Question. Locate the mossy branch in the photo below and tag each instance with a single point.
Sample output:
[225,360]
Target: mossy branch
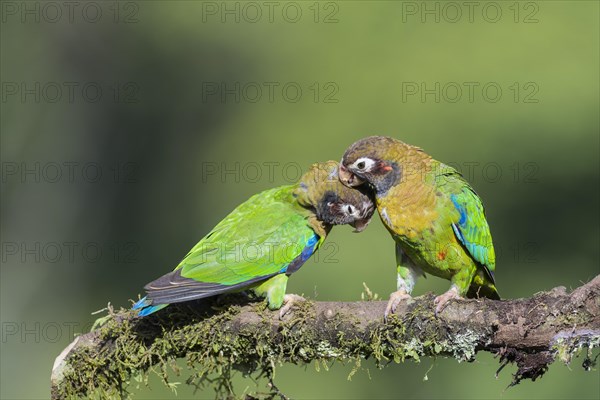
[218,339]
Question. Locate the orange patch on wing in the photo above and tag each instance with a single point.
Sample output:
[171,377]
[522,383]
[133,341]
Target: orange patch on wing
[441,255]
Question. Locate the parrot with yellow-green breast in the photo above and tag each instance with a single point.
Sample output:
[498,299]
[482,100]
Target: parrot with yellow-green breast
[435,217]
[262,242]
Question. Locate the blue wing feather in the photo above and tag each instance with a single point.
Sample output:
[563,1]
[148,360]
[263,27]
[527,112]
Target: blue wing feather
[307,252]
[472,229]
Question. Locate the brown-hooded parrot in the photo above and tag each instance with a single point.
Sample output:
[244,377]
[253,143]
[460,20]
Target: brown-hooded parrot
[435,217]
[263,241]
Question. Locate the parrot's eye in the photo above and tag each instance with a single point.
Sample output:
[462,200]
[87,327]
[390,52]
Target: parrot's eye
[350,210]
[364,164]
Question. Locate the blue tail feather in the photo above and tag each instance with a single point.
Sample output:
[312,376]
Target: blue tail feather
[146,308]
[143,302]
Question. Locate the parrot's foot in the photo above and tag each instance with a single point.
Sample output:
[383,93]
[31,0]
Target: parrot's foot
[395,299]
[442,300]
[288,302]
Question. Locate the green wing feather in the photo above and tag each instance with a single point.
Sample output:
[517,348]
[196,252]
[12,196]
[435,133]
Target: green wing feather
[470,225]
[257,240]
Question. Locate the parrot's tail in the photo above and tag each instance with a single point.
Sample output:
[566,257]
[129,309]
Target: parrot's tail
[488,291]
[146,308]
[483,285]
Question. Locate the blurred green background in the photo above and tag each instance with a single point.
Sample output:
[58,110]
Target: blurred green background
[129,129]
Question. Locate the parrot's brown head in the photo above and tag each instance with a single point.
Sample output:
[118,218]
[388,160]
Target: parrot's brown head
[378,161]
[333,203]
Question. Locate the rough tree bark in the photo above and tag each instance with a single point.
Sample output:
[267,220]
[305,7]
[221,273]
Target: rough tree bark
[216,339]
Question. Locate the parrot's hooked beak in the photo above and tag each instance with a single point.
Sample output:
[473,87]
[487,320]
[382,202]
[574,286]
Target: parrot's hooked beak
[360,224]
[348,178]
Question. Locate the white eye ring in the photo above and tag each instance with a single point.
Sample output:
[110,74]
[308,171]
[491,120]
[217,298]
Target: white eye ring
[350,210]
[363,164]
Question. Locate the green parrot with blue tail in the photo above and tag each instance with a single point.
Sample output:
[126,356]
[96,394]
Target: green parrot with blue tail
[435,217]
[262,242]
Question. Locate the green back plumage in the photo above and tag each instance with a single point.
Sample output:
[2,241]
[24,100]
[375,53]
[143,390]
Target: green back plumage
[257,239]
